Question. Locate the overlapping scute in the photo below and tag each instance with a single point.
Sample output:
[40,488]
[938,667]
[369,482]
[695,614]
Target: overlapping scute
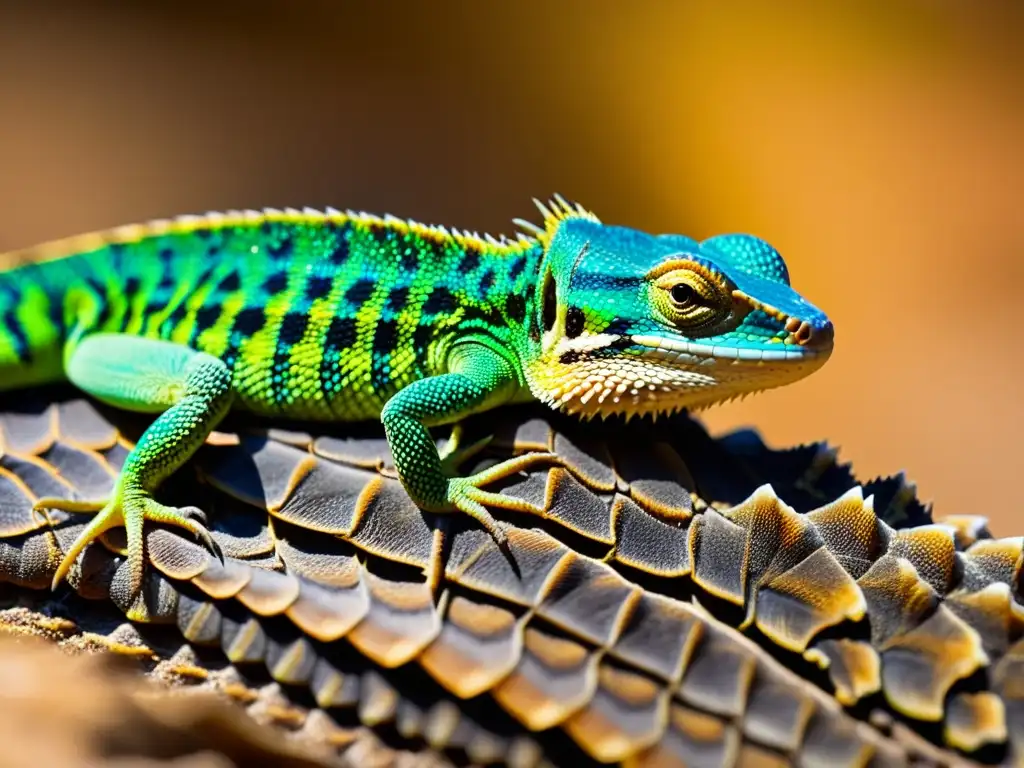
[611,635]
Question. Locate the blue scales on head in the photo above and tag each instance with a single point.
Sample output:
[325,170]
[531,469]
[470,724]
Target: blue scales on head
[636,323]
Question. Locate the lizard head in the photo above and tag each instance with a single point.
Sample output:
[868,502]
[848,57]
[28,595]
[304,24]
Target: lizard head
[635,323]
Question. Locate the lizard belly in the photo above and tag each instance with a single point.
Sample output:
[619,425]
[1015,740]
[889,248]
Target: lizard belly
[345,391]
[267,390]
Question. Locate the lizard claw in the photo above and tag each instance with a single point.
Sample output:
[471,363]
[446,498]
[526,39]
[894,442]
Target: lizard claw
[129,509]
[198,516]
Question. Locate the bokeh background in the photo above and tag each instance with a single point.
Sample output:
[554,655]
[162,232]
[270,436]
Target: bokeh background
[879,145]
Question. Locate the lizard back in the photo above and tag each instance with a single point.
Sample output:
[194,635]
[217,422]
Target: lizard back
[318,315]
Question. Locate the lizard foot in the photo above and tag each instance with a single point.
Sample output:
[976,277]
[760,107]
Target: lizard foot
[129,507]
[466,495]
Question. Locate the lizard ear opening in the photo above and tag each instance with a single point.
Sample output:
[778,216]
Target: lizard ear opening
[549,301]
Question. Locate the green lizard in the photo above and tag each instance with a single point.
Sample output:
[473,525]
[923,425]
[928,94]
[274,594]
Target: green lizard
[347,316]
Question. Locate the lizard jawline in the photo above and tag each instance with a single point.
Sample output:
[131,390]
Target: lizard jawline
[657,381]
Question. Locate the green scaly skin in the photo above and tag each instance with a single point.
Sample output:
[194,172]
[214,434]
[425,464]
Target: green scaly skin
[346,316]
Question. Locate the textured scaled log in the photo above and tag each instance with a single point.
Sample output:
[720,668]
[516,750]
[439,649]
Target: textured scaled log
[668,608]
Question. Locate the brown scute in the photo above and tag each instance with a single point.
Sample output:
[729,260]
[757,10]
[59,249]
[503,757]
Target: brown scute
[682,600]
[853,666]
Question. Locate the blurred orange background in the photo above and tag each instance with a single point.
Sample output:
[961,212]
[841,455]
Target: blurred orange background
[878,145]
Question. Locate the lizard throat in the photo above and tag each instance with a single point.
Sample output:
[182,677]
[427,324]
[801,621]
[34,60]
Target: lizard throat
[637,375]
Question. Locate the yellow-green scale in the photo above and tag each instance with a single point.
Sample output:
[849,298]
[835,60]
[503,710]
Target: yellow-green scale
[317,317]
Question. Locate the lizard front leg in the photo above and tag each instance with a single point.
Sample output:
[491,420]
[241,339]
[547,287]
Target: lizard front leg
[190,390]
[479,378]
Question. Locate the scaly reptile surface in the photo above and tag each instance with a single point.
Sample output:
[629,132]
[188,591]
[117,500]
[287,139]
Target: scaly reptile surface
[664,608]
[348,317]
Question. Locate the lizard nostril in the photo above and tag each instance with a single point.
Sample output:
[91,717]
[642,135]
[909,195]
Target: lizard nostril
[819,338]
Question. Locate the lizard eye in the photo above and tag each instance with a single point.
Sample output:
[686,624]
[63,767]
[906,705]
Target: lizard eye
[682,294]
[689,299]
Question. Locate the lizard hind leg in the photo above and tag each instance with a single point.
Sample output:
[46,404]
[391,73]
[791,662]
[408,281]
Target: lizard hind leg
[189,389]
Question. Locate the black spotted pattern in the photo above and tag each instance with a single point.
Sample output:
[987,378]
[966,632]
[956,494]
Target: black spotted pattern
[206,316]
[408,260]
[99,292]
[275,283]
[423,335]
[339,254]
[17,335]
[516,268]
[515,308]
[470,261]
[206,276]
[293,326]
[230,283]
[168,279]
[341,334]
[283,247]
[174,319]
[484,314]
[574,321]
[156,304]
[384,337]
[318,287]
[116,254]
[441,301]
[397,299]
[249,320]
[486,283]
[360,292]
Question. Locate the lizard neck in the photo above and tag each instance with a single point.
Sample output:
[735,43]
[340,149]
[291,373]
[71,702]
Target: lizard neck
[498,294]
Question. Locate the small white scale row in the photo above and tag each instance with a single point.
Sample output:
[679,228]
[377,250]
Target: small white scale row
[720,352]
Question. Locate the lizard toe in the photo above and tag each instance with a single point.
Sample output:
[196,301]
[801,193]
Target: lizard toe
[192,519]
[129,508]
[109,515]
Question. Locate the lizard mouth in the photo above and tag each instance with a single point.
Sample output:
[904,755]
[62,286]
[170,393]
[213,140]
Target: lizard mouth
[680,350]
[605,374]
